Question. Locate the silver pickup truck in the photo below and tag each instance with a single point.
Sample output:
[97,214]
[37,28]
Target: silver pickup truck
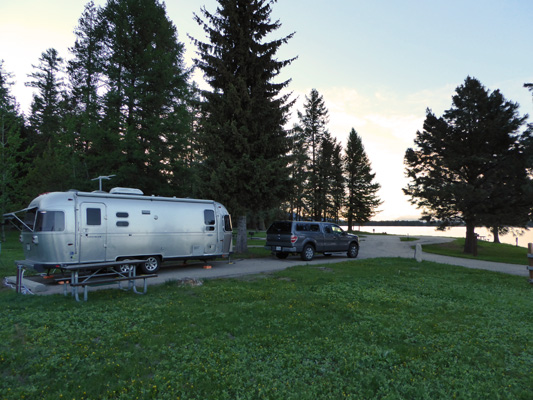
[308,238]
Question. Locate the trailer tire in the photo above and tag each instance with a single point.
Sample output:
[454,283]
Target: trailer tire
[125,268]
[151,266]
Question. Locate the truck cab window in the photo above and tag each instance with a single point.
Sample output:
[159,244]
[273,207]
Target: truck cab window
[336,229]
[94,216]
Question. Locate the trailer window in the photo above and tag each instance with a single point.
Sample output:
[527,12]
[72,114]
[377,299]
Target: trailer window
[209,217]
[29,219]
[50,221]
[227,223]
[94,216]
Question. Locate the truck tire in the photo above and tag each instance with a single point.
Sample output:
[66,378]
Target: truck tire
[353,250]
[308,252]
[151,266]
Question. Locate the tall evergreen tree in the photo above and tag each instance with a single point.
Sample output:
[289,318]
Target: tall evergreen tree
[47,127]
[299,169]
[362,199]
[46,107]
[85,71]
[468,165]
[337,183]
[314,122]
[329,182]
[242,138]
[146,103]
[13,150]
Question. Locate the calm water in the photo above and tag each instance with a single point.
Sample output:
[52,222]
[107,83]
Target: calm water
[524,236]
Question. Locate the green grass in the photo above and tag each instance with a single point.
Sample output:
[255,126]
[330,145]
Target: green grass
[487,251]
[408,239]
[382,328]
[11,251]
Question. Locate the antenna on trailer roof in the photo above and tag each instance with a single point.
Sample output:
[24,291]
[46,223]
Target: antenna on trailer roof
[100,180]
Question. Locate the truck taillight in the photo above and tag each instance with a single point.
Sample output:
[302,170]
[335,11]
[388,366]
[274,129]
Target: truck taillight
[294,238]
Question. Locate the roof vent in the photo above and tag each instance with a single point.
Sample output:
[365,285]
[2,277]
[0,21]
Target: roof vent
[131,191]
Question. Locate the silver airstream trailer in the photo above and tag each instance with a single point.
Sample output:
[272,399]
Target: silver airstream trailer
[65,228]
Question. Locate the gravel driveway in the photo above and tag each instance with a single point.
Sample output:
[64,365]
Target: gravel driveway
[371,246]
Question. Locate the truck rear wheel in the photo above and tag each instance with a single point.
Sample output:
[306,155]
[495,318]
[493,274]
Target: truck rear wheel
[308,252]
[151,265]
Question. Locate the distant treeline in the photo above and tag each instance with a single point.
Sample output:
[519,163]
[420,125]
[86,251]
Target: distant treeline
[402,223]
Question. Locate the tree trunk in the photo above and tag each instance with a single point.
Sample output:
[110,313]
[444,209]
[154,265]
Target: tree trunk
[470,242]
[242,238]
[496,234]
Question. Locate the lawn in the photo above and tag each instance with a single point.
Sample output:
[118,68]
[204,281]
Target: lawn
[382,328]
[487,251]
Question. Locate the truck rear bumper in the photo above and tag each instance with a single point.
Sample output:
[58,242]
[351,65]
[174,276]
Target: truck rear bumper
[281,249]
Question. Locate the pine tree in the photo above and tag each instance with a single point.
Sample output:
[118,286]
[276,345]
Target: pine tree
[299,170]
[146,105]
[52,152]
[46,108]
[362,199]
[337,183]
[469,164]
[242,138]
[85,73]
[329,180]
[13,151]
[313,122]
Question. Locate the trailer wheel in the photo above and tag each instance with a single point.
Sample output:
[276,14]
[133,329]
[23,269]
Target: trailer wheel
[151,265]
[125,268]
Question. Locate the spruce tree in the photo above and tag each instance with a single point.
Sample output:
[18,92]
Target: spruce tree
[469,165]
[362,199]
[242,139]
[329,182]
[52,151]
[313,122]
[85,72]
[13,151]
[46,107]
[299,170]
[146,111]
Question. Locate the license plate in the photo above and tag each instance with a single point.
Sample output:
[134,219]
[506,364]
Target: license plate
[278,248]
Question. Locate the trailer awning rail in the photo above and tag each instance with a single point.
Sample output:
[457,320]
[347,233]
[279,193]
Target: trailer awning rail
[13,216]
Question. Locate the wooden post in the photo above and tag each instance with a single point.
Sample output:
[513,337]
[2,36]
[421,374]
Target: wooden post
[20,277]
[530,261]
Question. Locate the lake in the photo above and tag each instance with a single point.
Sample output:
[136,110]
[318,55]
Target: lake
[523,236]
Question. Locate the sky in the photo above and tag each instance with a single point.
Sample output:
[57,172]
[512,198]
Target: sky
[378,64]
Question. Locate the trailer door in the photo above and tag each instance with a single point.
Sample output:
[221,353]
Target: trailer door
[93,232]
[211,231]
